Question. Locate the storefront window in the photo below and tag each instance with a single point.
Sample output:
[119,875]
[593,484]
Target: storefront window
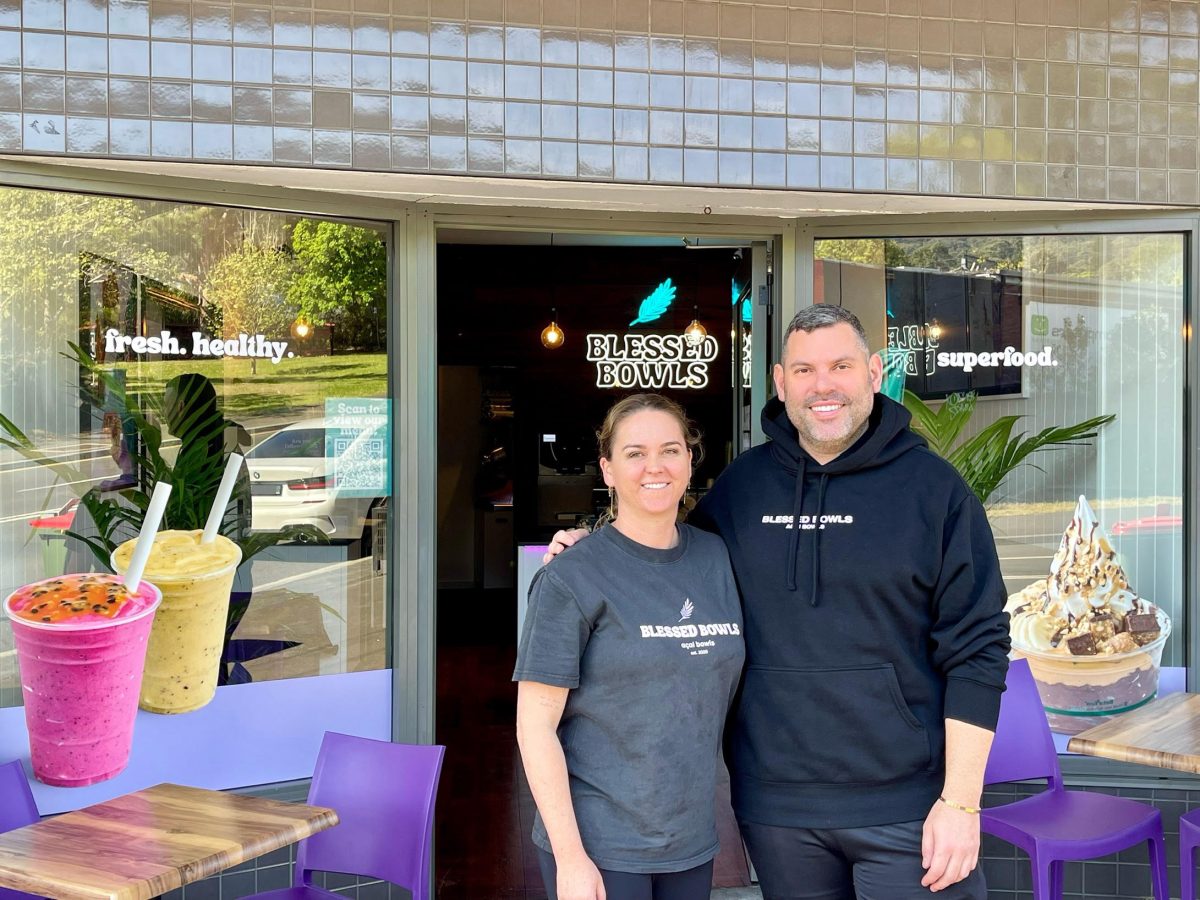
[142,341]
[1013,335]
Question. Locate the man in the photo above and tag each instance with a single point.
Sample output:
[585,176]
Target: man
[876,642]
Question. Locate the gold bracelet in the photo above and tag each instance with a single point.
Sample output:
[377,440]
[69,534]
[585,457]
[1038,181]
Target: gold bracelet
[973,810]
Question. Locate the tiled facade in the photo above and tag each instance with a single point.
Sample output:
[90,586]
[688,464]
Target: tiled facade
[1075,99]
[273,872]
[1124,875]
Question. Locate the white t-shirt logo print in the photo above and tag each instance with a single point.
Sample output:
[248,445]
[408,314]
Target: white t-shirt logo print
[685,611]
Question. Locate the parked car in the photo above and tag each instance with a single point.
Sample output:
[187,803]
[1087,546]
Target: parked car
[316,472]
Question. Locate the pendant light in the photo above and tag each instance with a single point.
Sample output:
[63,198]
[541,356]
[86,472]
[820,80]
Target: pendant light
[552,335]
[695,332]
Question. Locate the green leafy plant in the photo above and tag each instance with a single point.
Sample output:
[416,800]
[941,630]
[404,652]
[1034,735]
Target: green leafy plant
[189,404]
[194,474]
[986,459]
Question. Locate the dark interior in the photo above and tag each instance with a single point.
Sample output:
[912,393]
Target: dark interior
[517,461]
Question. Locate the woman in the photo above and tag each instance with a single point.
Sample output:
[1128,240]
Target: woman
[629,659]
[192,413]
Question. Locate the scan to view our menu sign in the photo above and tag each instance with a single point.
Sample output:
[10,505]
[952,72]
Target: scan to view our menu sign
[357,438]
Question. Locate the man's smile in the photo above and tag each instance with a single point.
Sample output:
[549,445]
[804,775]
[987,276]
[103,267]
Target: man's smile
[825,410]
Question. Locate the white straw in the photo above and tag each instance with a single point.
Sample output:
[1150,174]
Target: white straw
[145,541]
[224,492]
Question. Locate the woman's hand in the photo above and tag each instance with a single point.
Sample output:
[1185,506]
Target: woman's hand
[579,879]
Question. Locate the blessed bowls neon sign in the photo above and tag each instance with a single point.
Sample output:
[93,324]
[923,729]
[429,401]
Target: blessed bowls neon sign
[651,361]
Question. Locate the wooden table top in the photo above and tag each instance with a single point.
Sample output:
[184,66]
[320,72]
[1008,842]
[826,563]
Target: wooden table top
[1163,733]
[149,842]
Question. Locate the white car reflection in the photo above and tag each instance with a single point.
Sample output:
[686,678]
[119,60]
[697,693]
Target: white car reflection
[317,473]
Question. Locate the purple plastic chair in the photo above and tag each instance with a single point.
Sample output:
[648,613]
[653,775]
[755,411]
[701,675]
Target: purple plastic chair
[1058,825]
[384,796]
[17,810]
[1189,839]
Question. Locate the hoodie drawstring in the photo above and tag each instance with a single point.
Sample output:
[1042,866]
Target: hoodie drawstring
[794,546]
[816,548]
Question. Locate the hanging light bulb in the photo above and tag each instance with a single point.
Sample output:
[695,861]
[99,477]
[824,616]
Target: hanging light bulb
[552,335]
[695,333]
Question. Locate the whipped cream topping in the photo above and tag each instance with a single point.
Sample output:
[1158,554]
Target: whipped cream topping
[1083,607]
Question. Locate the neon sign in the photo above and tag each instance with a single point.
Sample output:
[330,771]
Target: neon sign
[651,361]
[656,304]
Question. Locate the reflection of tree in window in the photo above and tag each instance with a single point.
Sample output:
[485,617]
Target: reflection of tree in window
[341,279]
[249,285]
[115,295]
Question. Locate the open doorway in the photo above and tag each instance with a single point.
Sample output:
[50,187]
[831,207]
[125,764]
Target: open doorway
[538,335]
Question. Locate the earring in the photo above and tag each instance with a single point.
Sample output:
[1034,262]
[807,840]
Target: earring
[612,503]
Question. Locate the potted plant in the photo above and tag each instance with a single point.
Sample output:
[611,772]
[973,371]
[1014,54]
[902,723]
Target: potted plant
[986,459]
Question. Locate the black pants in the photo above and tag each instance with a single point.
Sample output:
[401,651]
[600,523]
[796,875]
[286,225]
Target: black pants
[692,884]
[882,862]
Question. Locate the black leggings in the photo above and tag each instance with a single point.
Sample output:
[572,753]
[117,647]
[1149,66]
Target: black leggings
[692,884]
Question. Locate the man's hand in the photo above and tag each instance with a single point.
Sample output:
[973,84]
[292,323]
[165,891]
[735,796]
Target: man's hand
[949,846]
[562,540]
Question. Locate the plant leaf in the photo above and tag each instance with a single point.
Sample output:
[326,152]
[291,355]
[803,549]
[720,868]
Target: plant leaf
[940,427]
[989,457]
[656,304]
[986,459]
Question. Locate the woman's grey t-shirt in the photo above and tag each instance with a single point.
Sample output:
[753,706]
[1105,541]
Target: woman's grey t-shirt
[650,643]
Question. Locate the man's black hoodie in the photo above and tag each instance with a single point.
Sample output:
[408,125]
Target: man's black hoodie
[874,610]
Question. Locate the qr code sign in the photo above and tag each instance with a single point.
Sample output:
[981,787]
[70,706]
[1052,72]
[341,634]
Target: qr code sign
[357,444]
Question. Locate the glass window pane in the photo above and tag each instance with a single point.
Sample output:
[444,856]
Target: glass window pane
[290,443]
[1025,335]
[150,340]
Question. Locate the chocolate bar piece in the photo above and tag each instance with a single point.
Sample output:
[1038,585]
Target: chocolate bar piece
[1141,623]
[1143,627]
[1057,637]
[1082,645]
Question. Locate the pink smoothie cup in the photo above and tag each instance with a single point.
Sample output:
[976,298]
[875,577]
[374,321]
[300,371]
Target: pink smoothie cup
[80,680]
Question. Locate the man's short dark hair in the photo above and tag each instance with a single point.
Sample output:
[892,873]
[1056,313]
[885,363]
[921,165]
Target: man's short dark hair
[825,315]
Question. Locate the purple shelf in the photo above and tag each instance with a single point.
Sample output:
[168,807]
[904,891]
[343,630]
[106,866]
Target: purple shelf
[250,734]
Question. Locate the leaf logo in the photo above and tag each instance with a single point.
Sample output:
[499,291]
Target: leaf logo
[656,304]
[685,611]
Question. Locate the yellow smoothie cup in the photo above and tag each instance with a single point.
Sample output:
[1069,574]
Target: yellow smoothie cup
[184,654]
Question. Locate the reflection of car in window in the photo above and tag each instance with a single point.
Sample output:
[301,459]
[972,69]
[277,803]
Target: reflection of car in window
[293,442]
[319,473]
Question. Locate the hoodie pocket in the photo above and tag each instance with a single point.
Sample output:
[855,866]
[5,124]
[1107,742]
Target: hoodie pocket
[828,726]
